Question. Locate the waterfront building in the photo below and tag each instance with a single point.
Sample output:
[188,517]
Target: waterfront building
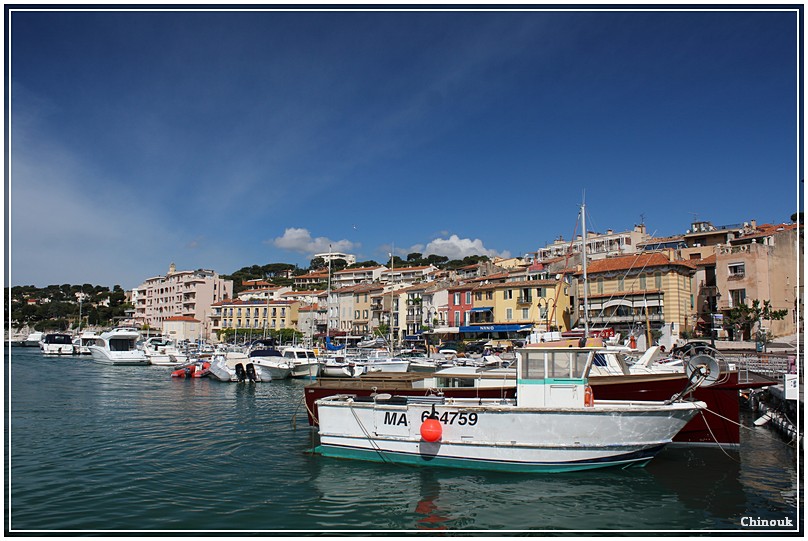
[179,293]
[254,318]
[641,292]
[181,328]
[762,265]
[522,306]
[460,304]
[312,322]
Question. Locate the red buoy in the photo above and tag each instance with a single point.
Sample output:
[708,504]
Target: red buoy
[431,430]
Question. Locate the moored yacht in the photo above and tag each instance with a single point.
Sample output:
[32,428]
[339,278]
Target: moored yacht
[118,347]
[56,344]
[162,351]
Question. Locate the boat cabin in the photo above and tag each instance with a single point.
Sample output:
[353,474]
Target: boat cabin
[58,338]
[552,377]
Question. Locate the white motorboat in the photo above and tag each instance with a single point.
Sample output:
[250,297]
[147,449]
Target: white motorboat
[222,369]
[338,366]
[263,353]
[82,343]
[382,361]
[303,361]
[162,351]
[553,425]
[118,347]
[56,344]
[33,339]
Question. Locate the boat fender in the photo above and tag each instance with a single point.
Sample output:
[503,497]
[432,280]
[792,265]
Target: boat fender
[240,375]
[589,397]
[431,429]
[251,372]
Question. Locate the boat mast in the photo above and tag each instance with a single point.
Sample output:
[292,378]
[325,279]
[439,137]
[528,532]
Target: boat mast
[392,278]
[586,284]
[328,301]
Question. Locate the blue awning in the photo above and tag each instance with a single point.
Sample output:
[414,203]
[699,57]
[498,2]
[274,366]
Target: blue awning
[496,328]
[482,309]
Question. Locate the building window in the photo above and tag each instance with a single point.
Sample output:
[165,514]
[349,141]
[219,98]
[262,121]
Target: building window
[621,284]
[525,314]
[658,280]
[468,297]
[600,285]
[489,295]
[509,314]
[643,284]
[457,319]
[457,299]
[478,296]
[736,269]
[507,294]
[737,297]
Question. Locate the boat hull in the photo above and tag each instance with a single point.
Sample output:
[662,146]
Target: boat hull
[118,358]
[490,435]
[305,369]
[717,426]
[57,350]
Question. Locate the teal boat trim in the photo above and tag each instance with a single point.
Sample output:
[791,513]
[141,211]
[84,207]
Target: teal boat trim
[636,458]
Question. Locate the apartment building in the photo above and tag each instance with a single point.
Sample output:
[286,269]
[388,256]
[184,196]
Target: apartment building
[519,306]
[253,317]
[352,277]
[179,293]
[762,265]
[629,292]
[598,245]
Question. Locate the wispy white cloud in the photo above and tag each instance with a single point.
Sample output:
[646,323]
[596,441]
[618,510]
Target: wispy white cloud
[297,239]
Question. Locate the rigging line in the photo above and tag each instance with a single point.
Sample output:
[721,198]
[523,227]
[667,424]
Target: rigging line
[751,429]
[373,444]
[710,430]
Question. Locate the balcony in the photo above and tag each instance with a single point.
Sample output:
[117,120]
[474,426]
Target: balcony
[524,299]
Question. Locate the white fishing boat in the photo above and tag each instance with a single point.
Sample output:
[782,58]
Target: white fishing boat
[56,344]
[553,425]
[303,361]
[118,347]
[162,351]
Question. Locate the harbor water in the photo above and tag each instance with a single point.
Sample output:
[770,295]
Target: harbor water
[97,448]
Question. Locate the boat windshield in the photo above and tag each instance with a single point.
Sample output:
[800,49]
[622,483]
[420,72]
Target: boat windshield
[121,344]
[553,363]
[58,339]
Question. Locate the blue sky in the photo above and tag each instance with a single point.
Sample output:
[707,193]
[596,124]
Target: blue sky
[225,139]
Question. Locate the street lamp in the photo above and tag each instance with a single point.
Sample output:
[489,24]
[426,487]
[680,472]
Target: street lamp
[547,304]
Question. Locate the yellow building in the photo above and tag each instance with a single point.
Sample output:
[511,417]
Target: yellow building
[638,291]
[540,304]
[254,316]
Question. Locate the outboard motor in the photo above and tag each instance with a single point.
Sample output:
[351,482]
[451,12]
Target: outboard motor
[251,372]
[240,374]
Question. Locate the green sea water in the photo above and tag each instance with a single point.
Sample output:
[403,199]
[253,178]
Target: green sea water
[96,448]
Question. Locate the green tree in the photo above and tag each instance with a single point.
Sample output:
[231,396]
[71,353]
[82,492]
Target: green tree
[743,317]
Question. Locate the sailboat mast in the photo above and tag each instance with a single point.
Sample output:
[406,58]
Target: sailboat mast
[586,284]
